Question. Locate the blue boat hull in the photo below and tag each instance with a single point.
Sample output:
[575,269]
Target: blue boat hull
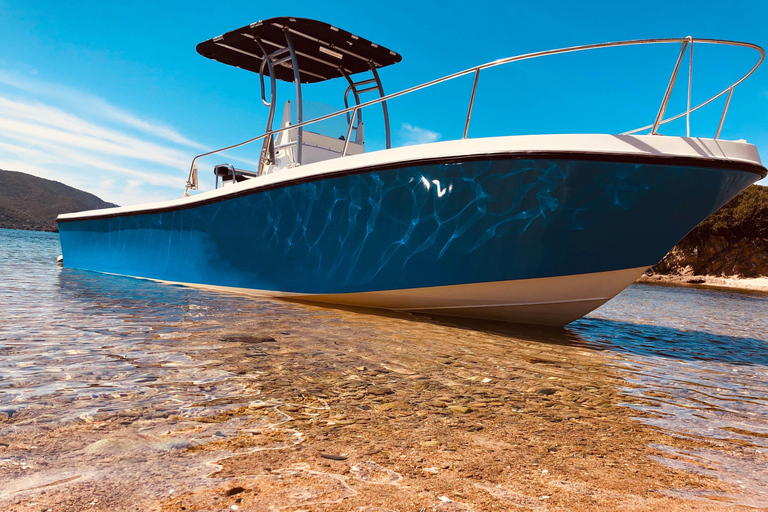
[414,226]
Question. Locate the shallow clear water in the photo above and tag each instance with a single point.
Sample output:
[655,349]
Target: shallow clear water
[75,345]
[699,357]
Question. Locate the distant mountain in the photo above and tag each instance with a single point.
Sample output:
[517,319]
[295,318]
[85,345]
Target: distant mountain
[32,203]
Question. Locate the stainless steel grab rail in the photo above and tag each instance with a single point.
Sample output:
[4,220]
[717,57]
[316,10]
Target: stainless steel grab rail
[659,121]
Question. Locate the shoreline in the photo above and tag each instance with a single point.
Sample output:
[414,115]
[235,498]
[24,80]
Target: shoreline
[747,284]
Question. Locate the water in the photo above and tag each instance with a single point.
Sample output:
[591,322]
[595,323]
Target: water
[103,378]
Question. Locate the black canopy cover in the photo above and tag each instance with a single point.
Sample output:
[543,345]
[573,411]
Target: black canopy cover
[321,49]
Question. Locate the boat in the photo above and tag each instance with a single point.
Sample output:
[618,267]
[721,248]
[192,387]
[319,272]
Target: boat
[538,229]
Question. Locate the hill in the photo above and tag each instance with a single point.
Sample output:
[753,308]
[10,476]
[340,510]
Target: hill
[731,242]
[32,203]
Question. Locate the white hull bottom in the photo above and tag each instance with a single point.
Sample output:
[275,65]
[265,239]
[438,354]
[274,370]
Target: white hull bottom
[553,301]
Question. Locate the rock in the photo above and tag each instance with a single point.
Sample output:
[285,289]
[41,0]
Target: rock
[380,391]
[134,442]
[389,406]
[248,339]
[372,472]
[546,391]
[459,409]
[333,457]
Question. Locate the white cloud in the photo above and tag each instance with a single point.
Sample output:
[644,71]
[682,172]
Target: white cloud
[153,129]
[68,134]
[55,156]
[95,106]
[84,141]
[411,135]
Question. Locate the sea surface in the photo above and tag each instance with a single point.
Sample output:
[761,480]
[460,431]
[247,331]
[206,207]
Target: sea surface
[75,345]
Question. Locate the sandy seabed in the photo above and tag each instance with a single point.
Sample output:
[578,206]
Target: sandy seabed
[336,410]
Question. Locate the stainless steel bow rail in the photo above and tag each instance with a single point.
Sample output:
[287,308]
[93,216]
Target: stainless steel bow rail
[659,120]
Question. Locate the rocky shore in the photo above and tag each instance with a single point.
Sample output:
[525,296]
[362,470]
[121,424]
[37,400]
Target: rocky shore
[729,249]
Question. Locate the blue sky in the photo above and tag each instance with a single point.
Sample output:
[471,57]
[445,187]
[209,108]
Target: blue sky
[112,98]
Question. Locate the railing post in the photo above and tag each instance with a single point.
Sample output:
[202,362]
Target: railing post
[349,132]
[471,104]
[192,181]
[671,85]
[725,110]
[690,81]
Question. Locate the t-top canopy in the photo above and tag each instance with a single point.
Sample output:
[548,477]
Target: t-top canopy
[321,49]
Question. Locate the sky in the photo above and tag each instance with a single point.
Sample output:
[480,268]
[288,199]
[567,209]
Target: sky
[112,98]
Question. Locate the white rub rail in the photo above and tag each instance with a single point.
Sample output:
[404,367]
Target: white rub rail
[659,120]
